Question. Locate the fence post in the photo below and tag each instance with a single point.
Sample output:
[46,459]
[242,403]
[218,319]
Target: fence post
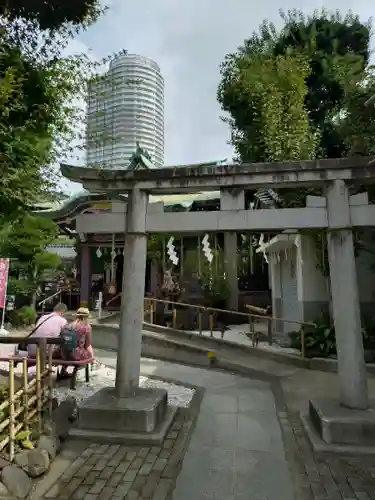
[269,331]
[303,346]
[251,329]
[38,387]
[211,319]
[174,317]
[11,410]
[25,394]
[151,312]
[200,322]
[50,379]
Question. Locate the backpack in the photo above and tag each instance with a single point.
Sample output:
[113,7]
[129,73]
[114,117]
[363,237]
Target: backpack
[70,337]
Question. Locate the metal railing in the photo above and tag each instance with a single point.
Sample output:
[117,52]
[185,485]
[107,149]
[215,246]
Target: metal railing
[150,309]
[24,407]
[112,299]
[48,299]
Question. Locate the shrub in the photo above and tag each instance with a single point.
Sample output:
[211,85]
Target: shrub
[321,340]
[25,316]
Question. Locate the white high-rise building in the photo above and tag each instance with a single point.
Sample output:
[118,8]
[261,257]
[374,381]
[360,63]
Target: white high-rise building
[125,106]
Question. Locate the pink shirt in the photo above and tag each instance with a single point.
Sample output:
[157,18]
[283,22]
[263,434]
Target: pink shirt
[51,327]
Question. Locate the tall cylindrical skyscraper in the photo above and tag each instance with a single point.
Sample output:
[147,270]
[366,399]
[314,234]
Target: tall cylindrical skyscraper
[125,106]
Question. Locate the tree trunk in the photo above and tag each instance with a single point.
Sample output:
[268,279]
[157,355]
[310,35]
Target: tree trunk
[35,293]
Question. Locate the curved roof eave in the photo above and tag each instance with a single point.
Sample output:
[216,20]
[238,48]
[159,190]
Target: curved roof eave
[74,205]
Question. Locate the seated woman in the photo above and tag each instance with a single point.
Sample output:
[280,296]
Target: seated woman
[83,333]
[82,326]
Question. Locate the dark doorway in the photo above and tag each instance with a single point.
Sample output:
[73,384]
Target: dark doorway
[119,260]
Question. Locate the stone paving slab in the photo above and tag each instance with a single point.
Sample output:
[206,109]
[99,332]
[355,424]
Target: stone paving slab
[114,472]
[328,476]
[237,451]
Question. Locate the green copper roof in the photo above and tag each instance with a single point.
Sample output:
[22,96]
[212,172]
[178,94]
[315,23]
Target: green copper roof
[140,159]
[70,208]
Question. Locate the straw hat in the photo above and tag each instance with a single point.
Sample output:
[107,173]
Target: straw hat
[83,311]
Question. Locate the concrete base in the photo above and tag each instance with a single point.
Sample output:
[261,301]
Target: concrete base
[141,418]
[154,438]
[331,427]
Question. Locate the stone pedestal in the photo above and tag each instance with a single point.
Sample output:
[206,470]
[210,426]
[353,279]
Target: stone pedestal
[143,417]
[333,428]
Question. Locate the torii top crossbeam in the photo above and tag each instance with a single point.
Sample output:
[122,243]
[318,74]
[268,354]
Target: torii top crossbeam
[207,178]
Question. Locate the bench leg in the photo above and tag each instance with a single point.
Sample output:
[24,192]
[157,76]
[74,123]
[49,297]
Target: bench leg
[87,373]
[73,381]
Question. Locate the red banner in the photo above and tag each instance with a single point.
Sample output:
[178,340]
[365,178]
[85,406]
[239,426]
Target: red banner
[4,270]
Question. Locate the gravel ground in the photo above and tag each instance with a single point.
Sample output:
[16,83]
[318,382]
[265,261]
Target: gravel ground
[103,376]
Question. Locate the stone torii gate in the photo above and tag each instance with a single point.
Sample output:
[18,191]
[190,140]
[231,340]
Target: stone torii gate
[338,216]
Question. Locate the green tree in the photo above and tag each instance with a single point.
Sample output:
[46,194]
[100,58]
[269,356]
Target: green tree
[265,98]
[51,14]
[326,42]
[25,242]
[356,124]
[24,140]
[38,117]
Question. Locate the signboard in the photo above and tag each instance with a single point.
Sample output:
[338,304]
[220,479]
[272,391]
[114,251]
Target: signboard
[4,270]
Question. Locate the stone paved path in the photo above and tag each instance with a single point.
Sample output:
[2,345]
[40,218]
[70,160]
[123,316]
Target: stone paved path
[114,472]
[314,478]
[235,449]
[237,442]
[327,477]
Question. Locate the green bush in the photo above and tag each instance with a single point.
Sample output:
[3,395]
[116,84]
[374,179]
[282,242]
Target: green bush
[25,316]
[321,341]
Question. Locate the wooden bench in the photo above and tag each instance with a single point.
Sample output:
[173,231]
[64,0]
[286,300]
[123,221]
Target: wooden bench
[84,363]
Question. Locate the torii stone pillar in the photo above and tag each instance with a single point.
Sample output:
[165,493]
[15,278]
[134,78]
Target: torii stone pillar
[127,412]
[133,288]
[231,199]
[345,299]
[345,424]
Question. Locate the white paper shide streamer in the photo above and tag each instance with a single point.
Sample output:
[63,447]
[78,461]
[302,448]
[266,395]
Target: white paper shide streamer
[262,247]
[207,249]
[171,251]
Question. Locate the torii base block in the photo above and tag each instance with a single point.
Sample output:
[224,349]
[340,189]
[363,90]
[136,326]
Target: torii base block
[332,428]
[141,418]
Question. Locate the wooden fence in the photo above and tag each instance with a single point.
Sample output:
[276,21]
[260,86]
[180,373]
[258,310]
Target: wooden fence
[26,399]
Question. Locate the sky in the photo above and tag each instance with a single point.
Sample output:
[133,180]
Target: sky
[189,39]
